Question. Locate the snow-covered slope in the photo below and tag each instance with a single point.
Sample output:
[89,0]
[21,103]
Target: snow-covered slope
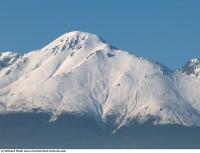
[80,73]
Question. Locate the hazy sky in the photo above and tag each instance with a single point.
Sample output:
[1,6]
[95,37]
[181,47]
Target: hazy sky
[167,31]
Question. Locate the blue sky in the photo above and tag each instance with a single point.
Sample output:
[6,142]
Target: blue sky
[167,31]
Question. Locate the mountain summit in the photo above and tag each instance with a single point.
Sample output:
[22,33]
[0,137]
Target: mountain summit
[192,68]
[81,74]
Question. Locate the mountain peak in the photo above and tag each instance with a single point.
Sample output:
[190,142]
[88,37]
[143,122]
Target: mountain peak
[80,73]
[192,68]
[75,40]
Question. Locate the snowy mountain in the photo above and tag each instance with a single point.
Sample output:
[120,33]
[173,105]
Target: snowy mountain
[192,68]
[80,73]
